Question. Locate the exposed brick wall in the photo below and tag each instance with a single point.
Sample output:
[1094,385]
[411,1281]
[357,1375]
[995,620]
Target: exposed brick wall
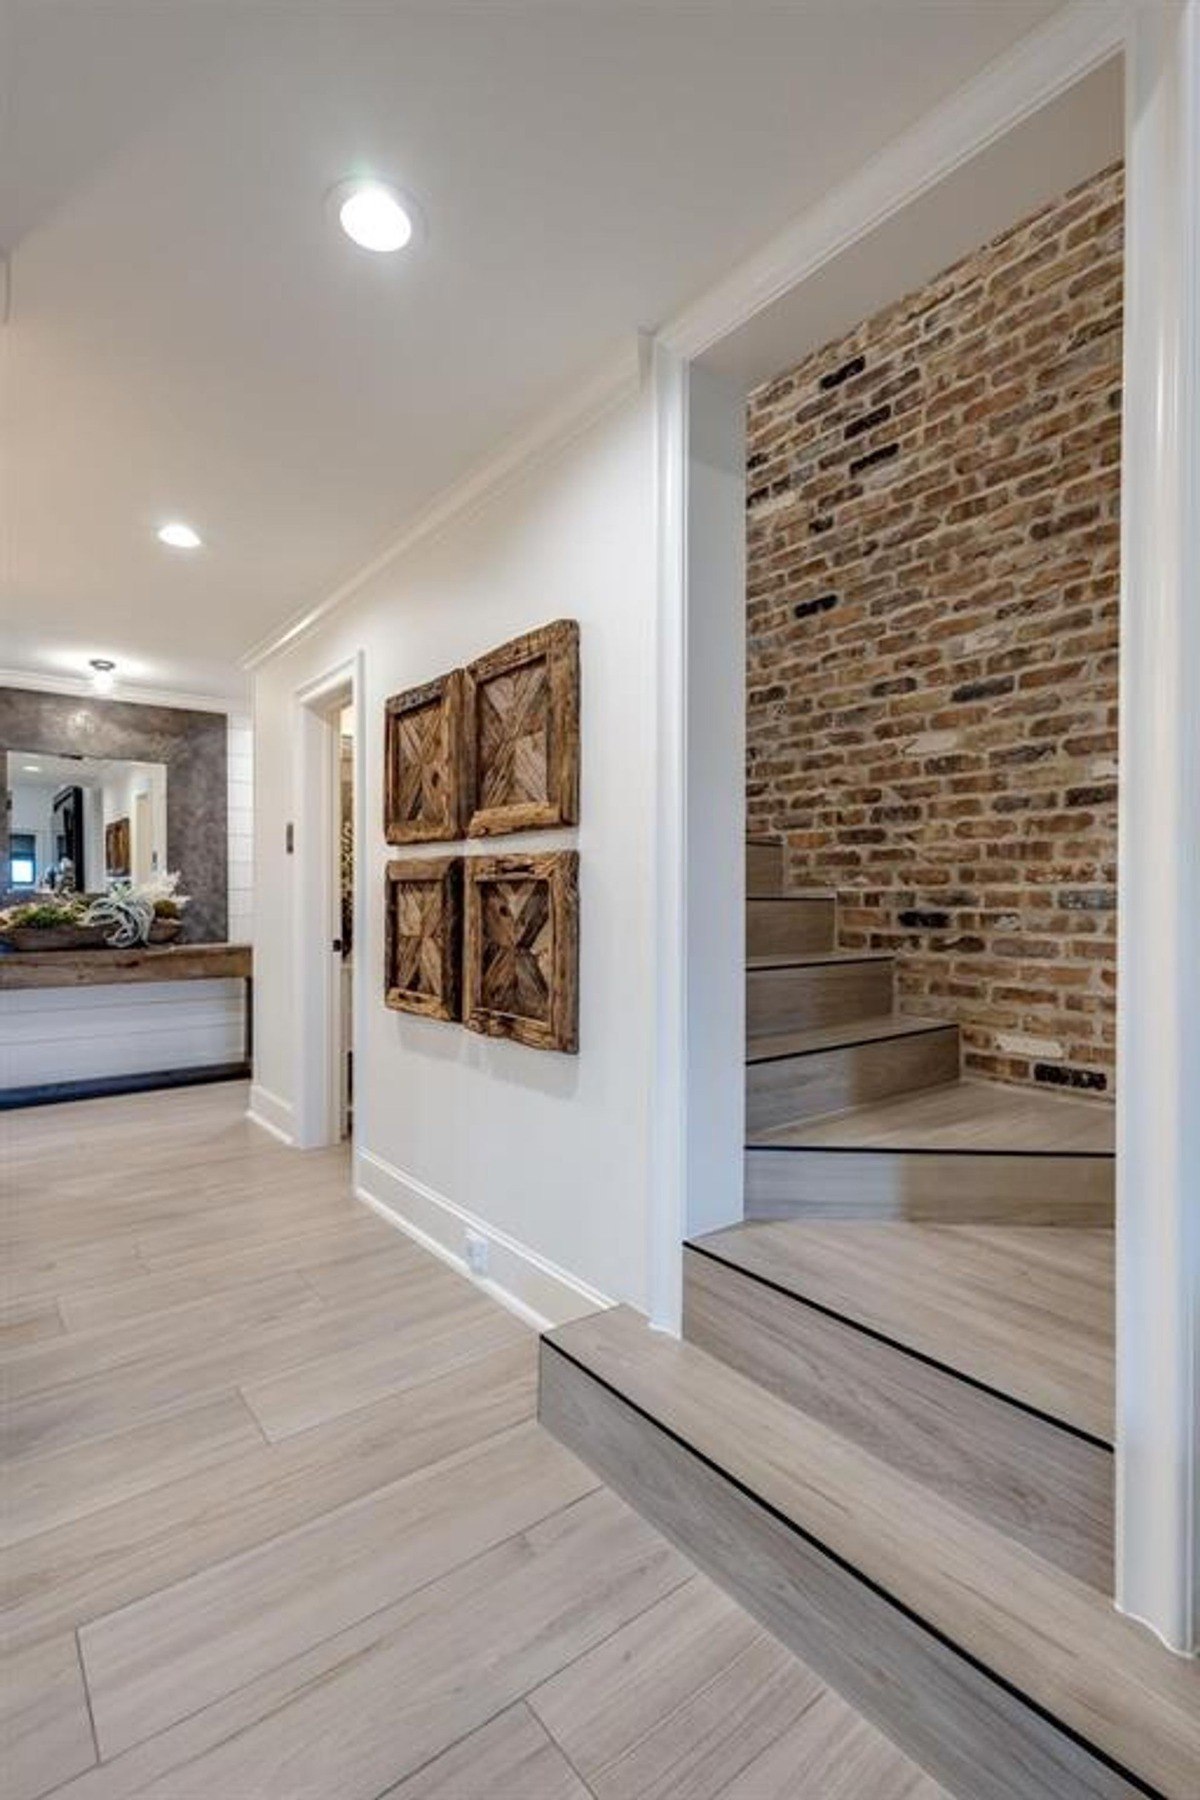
[933,566]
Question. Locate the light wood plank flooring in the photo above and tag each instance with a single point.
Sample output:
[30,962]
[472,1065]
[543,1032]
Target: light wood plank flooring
[279,1524]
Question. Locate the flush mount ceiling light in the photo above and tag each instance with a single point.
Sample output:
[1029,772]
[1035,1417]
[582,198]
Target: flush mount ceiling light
[374,215]
[179,536]
[103,674]
[31,768]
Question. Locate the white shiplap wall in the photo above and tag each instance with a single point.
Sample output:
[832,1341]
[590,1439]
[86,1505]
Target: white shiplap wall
[82,1034]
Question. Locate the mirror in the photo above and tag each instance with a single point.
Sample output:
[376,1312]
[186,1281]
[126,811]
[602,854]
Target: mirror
[82,821]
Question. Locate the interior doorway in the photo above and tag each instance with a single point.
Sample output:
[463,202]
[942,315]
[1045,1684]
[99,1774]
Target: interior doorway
[327,789]
[344,883]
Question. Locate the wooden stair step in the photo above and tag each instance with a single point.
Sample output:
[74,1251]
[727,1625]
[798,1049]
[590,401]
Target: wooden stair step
[785,923]
[1043,1484]
[1006,1677]
[798,991]
[764,866]
[775,1046]
[816,959]
[1025,1312]
[966,1152]
[830,1068]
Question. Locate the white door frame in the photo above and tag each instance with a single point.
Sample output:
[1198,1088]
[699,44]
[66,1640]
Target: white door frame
[1158,1135]
[316,967]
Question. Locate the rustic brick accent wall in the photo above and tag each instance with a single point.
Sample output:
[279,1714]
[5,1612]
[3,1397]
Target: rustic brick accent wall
[932,638]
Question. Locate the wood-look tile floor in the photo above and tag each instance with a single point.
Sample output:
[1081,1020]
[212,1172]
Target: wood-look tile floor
[279,1523]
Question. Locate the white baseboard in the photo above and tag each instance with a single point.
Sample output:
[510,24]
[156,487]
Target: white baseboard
[272,1113]
[519,1278]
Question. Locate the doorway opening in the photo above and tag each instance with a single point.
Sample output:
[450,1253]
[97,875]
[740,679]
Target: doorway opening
[327,788]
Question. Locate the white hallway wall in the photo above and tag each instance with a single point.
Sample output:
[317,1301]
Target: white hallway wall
[548,1153]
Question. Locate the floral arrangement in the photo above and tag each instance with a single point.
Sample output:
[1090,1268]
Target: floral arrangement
[125,912]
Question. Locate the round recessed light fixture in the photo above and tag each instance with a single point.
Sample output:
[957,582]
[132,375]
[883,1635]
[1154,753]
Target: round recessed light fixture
[103,674]
[179,536]
[374,215]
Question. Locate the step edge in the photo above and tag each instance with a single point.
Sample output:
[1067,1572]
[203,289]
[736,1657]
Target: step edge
[757,1148]
[842,1562]
[815,959]
[907,1028]
[698,1248]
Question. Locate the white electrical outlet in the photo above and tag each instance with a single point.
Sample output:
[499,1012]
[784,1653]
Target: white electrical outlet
[477,1252]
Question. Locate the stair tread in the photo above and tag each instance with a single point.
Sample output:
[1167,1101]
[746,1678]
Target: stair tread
[965,1116]
[1023,1310]
[779,1044]
[1048,1635]
[799,959]
[797,894]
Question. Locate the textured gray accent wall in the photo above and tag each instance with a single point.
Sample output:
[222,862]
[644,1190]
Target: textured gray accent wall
[193,747]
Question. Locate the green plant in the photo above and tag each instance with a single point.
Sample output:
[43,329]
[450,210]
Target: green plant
[44,915]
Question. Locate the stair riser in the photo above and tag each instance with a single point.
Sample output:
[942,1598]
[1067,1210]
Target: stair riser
[975,1736]
[825,1081]
[764,868]
[1029,1477]
[788,927]
[817,994]
[943,1188]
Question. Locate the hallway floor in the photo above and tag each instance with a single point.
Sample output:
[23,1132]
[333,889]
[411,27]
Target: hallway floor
[279,1522]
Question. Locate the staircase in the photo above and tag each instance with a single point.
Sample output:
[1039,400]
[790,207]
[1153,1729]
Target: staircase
[856,1110]
[887,1428]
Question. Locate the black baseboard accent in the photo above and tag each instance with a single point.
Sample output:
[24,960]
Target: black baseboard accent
[51,1093]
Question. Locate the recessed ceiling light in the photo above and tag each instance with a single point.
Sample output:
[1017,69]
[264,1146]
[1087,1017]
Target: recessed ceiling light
[179,536]
[31,768]
[374,216]
[103,674]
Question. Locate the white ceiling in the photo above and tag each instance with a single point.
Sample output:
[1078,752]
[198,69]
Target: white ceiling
[191,337]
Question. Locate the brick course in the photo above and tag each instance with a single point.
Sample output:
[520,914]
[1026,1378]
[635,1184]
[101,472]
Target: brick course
[933,543]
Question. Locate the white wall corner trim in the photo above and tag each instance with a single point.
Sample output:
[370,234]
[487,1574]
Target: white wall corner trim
[273,1114]
[1042,65]
[529,1285]
[544,438]
[1158,1017]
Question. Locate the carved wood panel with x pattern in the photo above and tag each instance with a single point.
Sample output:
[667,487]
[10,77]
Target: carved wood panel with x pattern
[522,733]
[423,937]
[520,975]
[423,763]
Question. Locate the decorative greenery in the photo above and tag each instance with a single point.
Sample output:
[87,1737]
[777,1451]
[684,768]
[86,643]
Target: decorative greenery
[45,915]
[127,913]
[131,910]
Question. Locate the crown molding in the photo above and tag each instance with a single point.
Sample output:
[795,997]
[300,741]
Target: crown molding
[127,692]
[545,437]
[1038,68]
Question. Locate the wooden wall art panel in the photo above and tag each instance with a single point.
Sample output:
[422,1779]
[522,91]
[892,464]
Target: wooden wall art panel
[118,853]
[521,745]
[423,794]
[423,937]
[521,961]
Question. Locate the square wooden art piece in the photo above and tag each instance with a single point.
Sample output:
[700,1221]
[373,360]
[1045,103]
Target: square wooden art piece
[423,937]
[521,963]
[422,767]
[522,733]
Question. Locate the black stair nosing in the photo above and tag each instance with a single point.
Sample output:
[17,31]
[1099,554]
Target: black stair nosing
[891,1037]
[917,1149]
[790,1524]
[808,897]
[882,1337]
[817,959]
